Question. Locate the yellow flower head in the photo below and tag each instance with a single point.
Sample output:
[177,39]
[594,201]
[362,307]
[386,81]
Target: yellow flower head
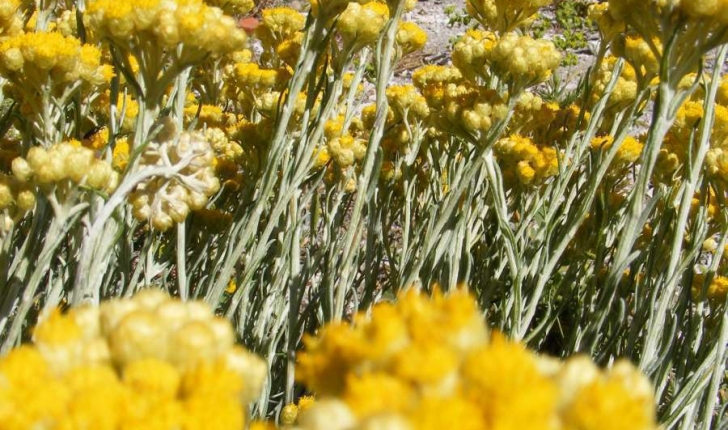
[279,24]
[503,16]
[410,37]
[471,54]
[522,60]
[30,58]
[407,102]
[68,162]
[360,25]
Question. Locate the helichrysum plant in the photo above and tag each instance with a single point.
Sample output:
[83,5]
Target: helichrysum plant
[280,176]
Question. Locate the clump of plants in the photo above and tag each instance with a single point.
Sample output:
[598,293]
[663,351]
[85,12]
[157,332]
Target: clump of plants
[156,143]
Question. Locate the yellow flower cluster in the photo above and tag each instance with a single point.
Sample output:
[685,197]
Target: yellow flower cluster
[474,109]
[278,24]
[716,291]
[410,37]
[360,25]
[62,163]
[424,364]
[222,145]
[345,147]
[534,117]
[675,148]
[722,95]
[519,60]
[32,60]
[628,152]
[407,103]
[523,60]
[246,83]
[432,80]
[16,198]
[471,53]
[520,158]
[638,52]
[11,22]
[199,28]
[120,154]
[609,27]
[706,10]
[625,89]
[407,111]
[280,34]
[167,199]
[125,104]
[503,16]
[207,115]
[289,413]
[149,362]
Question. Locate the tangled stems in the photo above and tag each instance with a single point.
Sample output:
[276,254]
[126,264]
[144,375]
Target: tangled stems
[94,250]
[66,214]
[366,186]
[279,144]
[692,184]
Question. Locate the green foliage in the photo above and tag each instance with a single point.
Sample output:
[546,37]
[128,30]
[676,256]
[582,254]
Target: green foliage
[570,26]
[457,17]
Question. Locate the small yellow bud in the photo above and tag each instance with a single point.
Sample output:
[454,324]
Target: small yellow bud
[21,169]
[289,414]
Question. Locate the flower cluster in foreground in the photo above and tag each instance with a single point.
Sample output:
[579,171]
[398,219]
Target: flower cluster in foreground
[149,362]
[430,363]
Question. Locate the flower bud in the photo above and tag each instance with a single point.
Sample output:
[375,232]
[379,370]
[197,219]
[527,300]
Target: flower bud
[21,169]
[138,335]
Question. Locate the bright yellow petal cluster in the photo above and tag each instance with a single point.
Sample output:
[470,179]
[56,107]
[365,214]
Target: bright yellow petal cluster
[675,147]
[346,150]
[428,364]
[385,340]
[11,22]
[716,291]
[245,83]
[407,102]
[609,27]
[618,398]
[29,59]
[533,115]
[149,362]
[432,80]
[410,37]
[629,150]
[520,158]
